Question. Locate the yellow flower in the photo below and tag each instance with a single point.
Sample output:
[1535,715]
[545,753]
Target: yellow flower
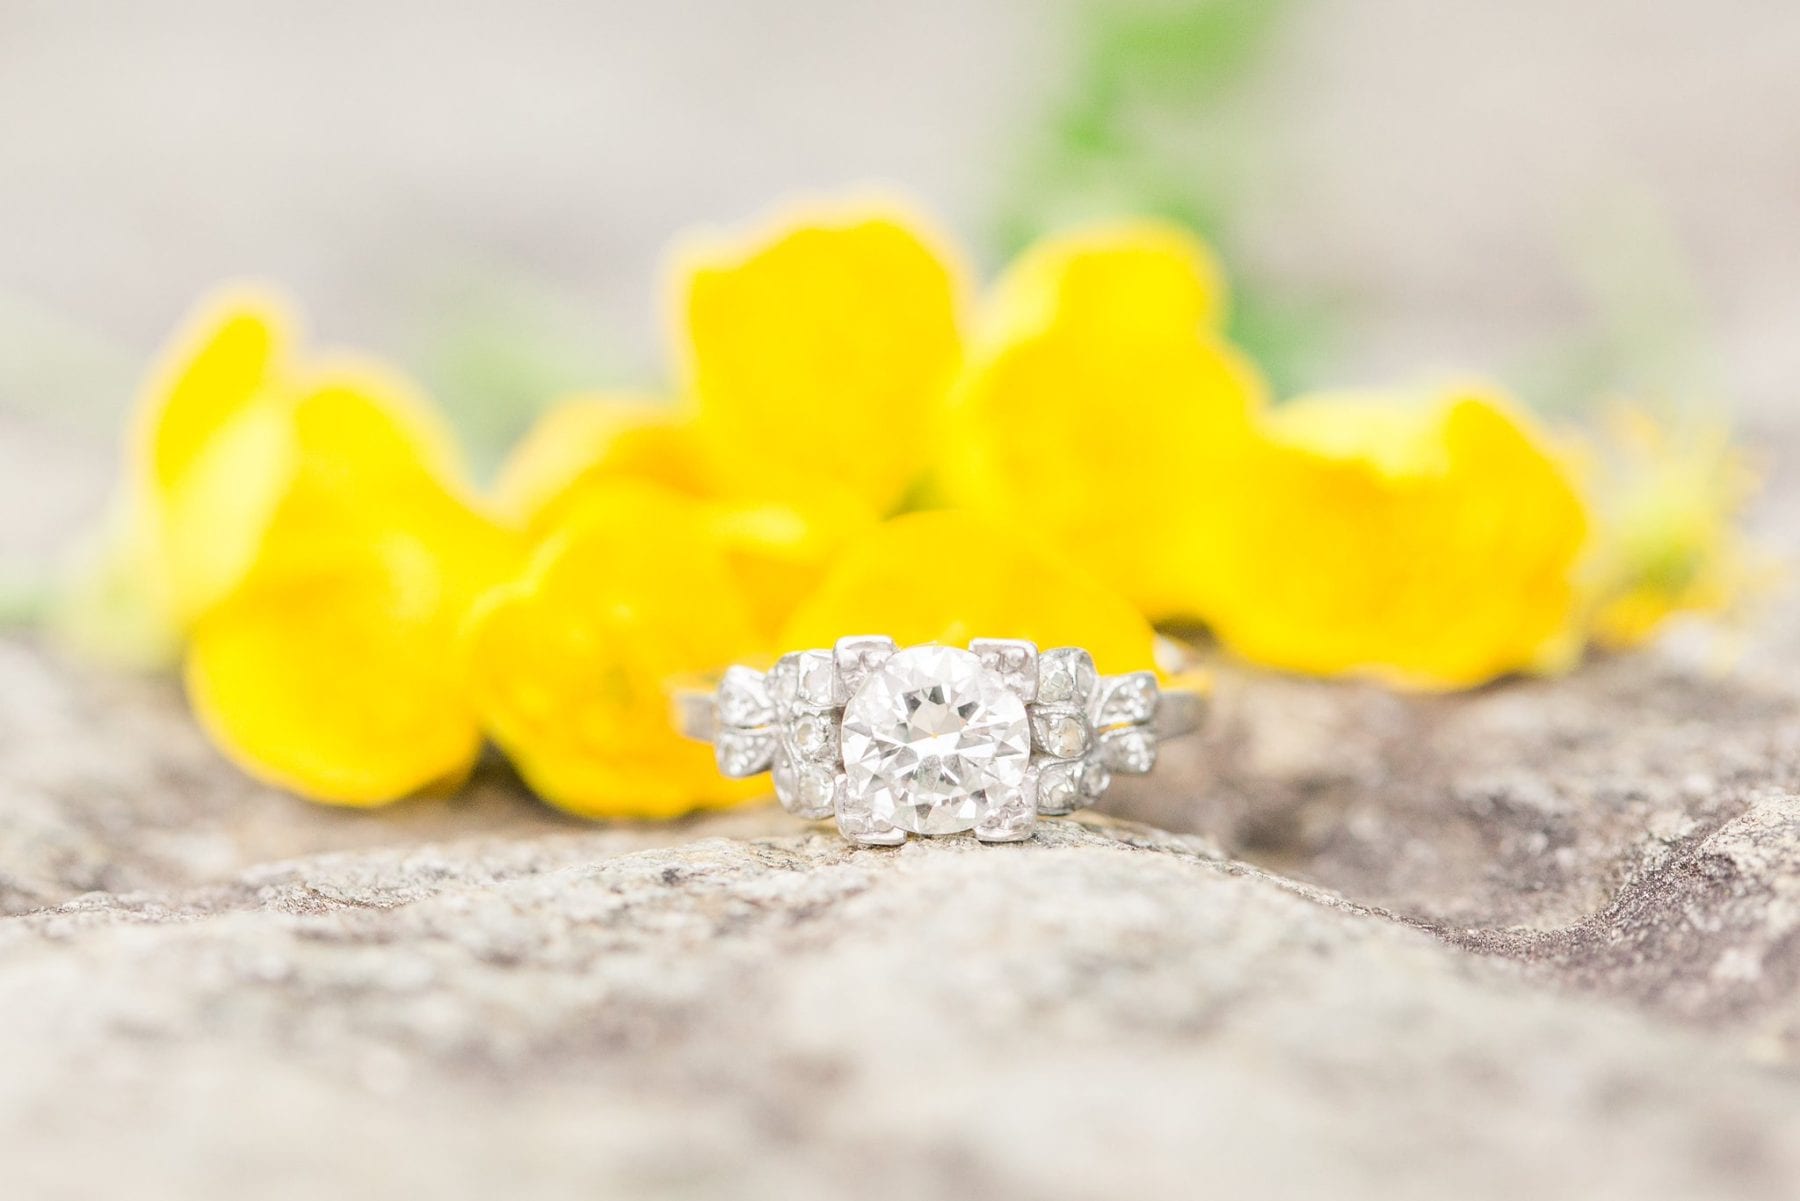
[1100,409]
[327,669]
[589,440]
[206,455]
[819,351]
[1668,501]
[1132,278]
[213,444]
[1429,546]
[777,549]
[948,577]
[570,662]
[297,528]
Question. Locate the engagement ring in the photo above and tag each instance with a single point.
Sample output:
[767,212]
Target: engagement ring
[935,740]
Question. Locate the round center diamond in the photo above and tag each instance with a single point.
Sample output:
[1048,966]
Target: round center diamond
[933,740]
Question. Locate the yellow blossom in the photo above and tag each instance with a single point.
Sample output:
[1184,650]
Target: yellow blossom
[819,350]
[327,669]
[1100,409]
[1432,546]
[948,577]
[205,457]
[570,662]
[212,444]
[593,439]
[777,549]
[1132,277]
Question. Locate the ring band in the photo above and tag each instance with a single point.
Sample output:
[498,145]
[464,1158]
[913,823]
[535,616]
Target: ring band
[935,740]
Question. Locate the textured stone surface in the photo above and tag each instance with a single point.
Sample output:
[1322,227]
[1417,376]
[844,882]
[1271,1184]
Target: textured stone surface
[1106,1013]
[1557,958]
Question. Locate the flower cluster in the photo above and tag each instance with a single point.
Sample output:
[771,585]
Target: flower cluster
[854,442]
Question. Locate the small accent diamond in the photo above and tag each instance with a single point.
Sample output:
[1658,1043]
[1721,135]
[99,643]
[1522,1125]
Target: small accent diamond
[742,753]
[1131,750]
[1062,735]
[784,683]
[1127,699]
[815,679]
[1066,676]
[814,736]
[806,790]
[1059,787]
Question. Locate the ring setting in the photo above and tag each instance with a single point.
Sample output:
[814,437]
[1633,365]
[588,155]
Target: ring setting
[932,740]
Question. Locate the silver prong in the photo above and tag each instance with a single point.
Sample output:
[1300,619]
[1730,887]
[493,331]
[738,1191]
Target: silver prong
[871,833]
[856,821]
[990,832]
[1014,819]
[1014,660]
[855,657]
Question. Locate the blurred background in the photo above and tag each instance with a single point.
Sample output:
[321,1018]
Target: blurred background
[1575,198]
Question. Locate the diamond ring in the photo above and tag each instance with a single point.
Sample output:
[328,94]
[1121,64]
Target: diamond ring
[936,740]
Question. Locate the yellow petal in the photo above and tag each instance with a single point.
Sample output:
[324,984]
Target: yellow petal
[570,663]
[228,355]
[210,451]
[595,439]
[1137,278]
[1106,437]
[820,350]
[779,553]
[363,427]
[777,549]
[214,514]
[1430,546]
[949,577]
[330,669]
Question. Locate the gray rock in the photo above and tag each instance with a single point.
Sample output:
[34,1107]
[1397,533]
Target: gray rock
[234,993]
[1108,1012]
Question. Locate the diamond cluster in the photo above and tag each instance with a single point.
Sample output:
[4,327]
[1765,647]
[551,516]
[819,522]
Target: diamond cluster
[935,740]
